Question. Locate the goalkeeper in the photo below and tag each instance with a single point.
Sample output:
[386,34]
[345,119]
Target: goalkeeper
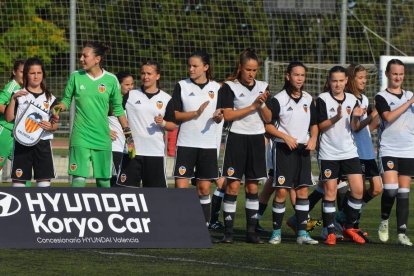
[93,90]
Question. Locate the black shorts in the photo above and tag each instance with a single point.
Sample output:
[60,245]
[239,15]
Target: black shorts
[333,169]
[150,170]
[404,166]
[293,168]
[38,157]
[245,155]
[369,168]
[196,162]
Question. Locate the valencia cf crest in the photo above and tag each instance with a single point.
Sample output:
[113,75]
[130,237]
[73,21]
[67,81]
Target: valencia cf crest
[281,180]
[102,88]
[123,178]
[211,94]
[182,170]
[230,171]
[19,172]
[348,110]
[327,173]
[46,105]
[1,159]
[390,165]
[160,104]
[32,121]
[73,167]
[305,107]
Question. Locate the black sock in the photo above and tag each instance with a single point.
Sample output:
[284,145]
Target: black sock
[367,197]
[205,202]
[328,215]
[278,211]
[342,196]
[301,212]
[402,209]
[351,210]
[251,208]
[387,199]
[314,198]
[229,212]
[216,204]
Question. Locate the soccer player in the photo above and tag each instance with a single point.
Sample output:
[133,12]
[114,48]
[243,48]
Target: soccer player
[126,80]
[396,149]
[243,99]
[295,133]
[94,89]
[38,157]
[149,112]
[6,128]
[357,78]
[195,105]
[338,113]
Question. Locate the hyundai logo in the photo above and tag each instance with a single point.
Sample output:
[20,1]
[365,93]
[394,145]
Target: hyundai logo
[9,205]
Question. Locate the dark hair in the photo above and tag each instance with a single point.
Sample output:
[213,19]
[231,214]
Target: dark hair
[351,72]
[205,59]
[123,75]
[392,62]
[29,63]
[16,66]
[245,56]
[99,49]
[154,64]
[335,69]
[288,86]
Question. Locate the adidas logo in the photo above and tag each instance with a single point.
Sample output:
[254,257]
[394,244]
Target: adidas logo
[392,103]
[304,222]
[255,216]
[404,226]
[228,218]
[331,225]
[332,110]
[274,223]
[241,95]
[138,102]
[191,94]
[290,108]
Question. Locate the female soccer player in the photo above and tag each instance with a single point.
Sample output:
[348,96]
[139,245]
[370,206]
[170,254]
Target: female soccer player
[295,132]
[396,149]
[94,89]
[195,105]
[126,80]
[357,78]
[337,152]
[6,128]
[149,112]
[243,99]
[38,157]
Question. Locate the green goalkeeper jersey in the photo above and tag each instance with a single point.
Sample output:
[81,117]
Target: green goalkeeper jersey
[5,95]
[93,97]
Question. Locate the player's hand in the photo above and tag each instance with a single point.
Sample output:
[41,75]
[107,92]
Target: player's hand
[358,112]
[218,115]
[201,108]
[291,142]
[130,142]
[46,125]
[159,120]
[19,94]
[311,145]
[261,99]
[339,111]
[113,135]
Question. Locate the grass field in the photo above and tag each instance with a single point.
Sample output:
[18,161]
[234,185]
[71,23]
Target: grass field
[240,258]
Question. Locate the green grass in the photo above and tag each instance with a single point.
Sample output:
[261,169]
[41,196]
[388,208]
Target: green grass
[237,259]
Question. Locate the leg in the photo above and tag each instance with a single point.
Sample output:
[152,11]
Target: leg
[229,208]
[203,189]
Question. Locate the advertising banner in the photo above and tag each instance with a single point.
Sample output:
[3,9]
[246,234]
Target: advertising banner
[101,218]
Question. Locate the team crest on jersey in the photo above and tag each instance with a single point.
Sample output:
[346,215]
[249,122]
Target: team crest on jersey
[182,170]
[211,94]
[281,180]
[19,172]
[102,88]
[390,165]
[123,178]
[46,105]
[363,168]
[305,107]
[348,110]
[327,173]
[32,121]
[73,166]
[160,104]
[230,171]
[1,159]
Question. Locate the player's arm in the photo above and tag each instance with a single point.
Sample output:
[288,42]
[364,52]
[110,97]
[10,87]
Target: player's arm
[168,120]
[386,113]
[323,122]
[10,113]
[179,113]
[313,128]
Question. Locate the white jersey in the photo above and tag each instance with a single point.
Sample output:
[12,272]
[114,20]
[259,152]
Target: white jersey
[200,132]
[251,124]
[396,139]
[336,143]
[118,145]
[294,117]
[141,111]
[363,139]
[38,100]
